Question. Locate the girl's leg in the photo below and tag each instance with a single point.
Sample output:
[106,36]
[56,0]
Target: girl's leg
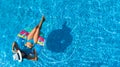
[31,34]
[36,35]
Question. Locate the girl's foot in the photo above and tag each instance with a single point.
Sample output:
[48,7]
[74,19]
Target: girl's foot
[42,20]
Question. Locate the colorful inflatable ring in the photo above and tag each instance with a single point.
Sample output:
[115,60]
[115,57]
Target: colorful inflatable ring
[22,36]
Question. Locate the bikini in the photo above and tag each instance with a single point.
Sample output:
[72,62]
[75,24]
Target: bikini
[31,41]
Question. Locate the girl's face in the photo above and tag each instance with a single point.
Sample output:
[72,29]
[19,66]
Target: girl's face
[29,45]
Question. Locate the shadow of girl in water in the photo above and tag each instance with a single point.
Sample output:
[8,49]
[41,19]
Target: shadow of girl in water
[58,40]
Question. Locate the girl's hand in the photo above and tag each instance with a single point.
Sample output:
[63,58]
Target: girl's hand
[36,58]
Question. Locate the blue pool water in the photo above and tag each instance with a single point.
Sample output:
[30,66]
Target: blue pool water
[79,33]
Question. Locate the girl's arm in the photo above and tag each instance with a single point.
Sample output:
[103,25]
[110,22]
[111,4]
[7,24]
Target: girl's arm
[33,57]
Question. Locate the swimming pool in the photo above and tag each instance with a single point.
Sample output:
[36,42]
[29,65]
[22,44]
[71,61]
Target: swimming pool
[79,33]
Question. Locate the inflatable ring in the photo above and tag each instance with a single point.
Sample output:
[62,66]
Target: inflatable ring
[22,37]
